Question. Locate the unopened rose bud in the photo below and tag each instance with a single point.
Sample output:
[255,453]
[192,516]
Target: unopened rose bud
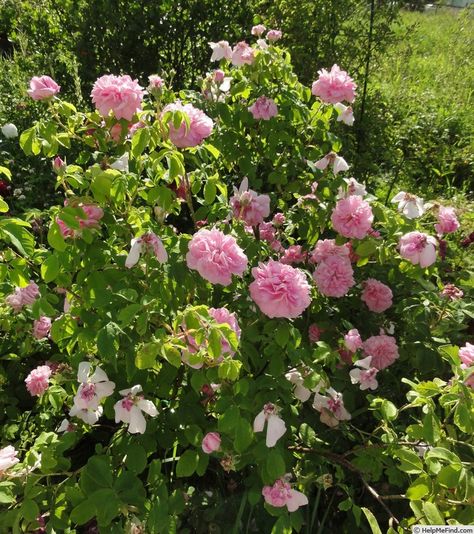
[155,85]
[219,76]
[58,165]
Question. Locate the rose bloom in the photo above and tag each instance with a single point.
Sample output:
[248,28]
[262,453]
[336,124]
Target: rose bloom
[224,316]
[216,256]
[314,333]
[278,219]
[200,126]
[410,205]
[376,295]
[7,458]
[418,248]
[23,296]
[9,130]
[352,217]
[92,213]
[249,206]
[267,232]
[258,30]
[326,248]
[334,86]
[242,54]
[345,114]
[352,340]
[221,50]
[281,494]
[211,442]
[466,354]
[263,108]
[119,94]
[339,164]
[280,290]
[149,243]
[334,276]
[274,35]
[41,327]
[293,254]
[37,382]
[383,349]
[43,87]
[447,221]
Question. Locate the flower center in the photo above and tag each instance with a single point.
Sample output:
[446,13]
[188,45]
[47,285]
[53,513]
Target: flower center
[87,392]
[127,404]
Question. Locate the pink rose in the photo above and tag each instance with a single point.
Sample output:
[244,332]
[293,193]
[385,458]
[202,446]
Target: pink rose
[278,219]
[23,296]
[242,54]
[37,382]
[293,254]
[267,232]
[327,247]
[352,340]
[263,108]
[258,30]
[92,213]
[219,76]
[451,292]
[281,494]
[376,295]
[274,35]
[221,50]
[7,458]
[352,217]
[211,442]
[200,126]
[314,333]
[418,248]
[383,349]
[466,354]
[119,94]
[43,87]
[216,256]
[41,327]
[280,290]
[447,221]
[249,206]
[334,86]
[334,276]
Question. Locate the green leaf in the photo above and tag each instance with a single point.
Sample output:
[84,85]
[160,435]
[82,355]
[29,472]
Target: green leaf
[229,369]
[3,206]
[146,355]
[432,514]
[419,488]
[372,521]
[96,475]
[464,417]
[127,314]
[449,475]
[6,172]
[107,505]
[243,435]
[83,512]
[30,510]
[20,238]
[443,454]
[410,461]
[29,142]
[139,141]
[187,463]
[107,340]
[282,334]
[275,464]
[367,248]
[55,238]
[210,192]
[136,458]
[228,420]
[50,269]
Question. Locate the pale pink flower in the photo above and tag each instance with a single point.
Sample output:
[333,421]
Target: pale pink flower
[334,86]
[364,374]
[275,425]
[447,221]
[293,254]
[280,290]
[117,94]
[314,333]
[258,30]
[129,410]
[23,296]
[216,256]
[331,407]
[418,248]
[155,85]
[466,354]
[338,163]
[334,276]
[37,382]
[66,426]
[353,188]
[274,35]
[221,50]
[211,442]
[352,217]
[7,458]
[219,76]
[326,248]
[224,316]
[281,494]
[410,205]
[352,340]
[200,126]
[242,54]
[278,219]
[345,114]
[148,243]
[383,349]
[263,108]
[301,392]
[43,87]
[262,44]
[376,295]
[41,327]
[267,232]
[451,292]
[249,206]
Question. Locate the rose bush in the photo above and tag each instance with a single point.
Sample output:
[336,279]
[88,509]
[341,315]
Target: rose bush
[177,359]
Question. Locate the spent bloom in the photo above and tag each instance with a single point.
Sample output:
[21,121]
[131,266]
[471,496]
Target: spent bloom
[331,407]
[410,205]
[280,290]
[216,256]
[334,276]
[281,494]
[37,382]
[352,340]
[338,163]
[41,327]
[452,292]
[334,86]
[418,248]
[376,295]
[129,410]
[249,206]
[364,374]
[447,221]
[7,458]
[117,94]
[352,217]
[147,243]
[383,349]
[242,54]
[263,108]
[345,114]
[258,30]
[275,425]
[221,50]
[43,88]
[274,35]
[200,126]
[301,392]
[211,442]
[10,131]
[23,296]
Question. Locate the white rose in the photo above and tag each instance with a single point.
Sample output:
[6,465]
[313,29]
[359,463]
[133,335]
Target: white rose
[9,131]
